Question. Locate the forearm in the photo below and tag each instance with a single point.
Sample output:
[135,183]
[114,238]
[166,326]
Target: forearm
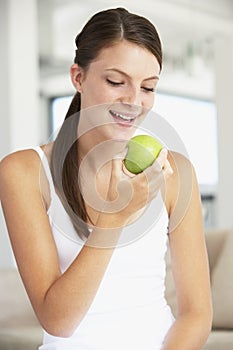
[70,296]
[189,332]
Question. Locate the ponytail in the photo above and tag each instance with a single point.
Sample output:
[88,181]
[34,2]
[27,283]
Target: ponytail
[75,105]
[65,170]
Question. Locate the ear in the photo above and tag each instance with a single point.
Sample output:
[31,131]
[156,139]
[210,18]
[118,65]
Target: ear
[77,76]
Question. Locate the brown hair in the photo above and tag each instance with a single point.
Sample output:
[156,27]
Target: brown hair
[103,30]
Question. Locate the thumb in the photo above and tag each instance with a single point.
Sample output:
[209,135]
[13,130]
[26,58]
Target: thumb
[162,157]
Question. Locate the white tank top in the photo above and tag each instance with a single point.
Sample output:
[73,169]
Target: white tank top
[129,310]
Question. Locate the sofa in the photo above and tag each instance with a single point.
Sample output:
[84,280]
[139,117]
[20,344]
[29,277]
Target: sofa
[20,330]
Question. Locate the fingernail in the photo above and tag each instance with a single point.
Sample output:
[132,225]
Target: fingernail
[164,151]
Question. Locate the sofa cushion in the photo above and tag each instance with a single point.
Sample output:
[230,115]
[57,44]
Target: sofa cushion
[21,338]
[215,239]
[222,286]
[219,340]
[15,308]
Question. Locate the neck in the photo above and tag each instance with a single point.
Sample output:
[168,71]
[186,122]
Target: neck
[96,152]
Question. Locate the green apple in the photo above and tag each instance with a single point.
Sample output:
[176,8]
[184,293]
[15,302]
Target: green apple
[142,152]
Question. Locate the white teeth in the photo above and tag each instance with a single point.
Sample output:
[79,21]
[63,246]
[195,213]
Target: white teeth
[125,117]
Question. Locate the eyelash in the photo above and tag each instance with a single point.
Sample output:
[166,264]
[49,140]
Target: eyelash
[149,90]
[114,83]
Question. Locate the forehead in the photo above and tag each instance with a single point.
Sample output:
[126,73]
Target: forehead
[128,57]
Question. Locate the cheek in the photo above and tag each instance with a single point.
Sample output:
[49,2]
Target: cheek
[100,96]
[148,101]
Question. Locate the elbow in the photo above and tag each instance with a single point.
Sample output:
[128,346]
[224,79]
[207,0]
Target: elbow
[58,329]
[201,320]
[58,321]
[206,315]
[201,313]
[59,326]
[206,323]
[209,320]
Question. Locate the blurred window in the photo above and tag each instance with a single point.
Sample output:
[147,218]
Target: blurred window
[194,120]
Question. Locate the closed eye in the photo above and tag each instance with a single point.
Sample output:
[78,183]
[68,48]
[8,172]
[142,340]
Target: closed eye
[118,83]
[114,83]
[148,89]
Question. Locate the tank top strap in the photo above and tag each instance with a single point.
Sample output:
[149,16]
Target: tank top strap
[46,167]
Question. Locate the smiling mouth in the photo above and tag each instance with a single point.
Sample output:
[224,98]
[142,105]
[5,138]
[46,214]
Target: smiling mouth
[125,118]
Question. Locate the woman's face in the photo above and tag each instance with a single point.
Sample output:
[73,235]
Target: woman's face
[117,90]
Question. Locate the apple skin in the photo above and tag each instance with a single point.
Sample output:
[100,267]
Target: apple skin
[142,152]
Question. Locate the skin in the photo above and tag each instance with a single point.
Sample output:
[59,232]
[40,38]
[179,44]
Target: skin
[63,299]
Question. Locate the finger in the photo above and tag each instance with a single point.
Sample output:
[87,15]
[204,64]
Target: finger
[120,190]
[162,157]
[117,162]
[126,172]
[116,173]
[167,169]
[157,166]
[121,155]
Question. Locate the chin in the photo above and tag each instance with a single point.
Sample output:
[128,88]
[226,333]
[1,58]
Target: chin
[123,134]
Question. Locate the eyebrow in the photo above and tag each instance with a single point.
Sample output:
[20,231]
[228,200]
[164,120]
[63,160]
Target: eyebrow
[154,77]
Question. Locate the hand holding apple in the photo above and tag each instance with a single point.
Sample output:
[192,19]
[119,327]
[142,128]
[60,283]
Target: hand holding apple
[142,152]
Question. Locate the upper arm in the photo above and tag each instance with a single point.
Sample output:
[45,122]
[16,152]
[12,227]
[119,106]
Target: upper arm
[187,242]
[28,225]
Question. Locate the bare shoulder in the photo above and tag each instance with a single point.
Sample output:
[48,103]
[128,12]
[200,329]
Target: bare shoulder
[20,159]
[179,162]
[180,184]
[23,165]
[182,168]
[19,167]
[18,163]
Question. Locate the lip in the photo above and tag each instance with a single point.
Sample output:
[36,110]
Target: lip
[119,116]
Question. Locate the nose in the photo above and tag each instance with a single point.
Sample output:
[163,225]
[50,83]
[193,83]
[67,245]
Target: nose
[132,96]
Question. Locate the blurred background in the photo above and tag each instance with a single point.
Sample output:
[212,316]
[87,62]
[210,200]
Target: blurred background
[194,93]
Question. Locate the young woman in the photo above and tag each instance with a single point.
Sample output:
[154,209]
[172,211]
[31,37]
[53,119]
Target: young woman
[89,287]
